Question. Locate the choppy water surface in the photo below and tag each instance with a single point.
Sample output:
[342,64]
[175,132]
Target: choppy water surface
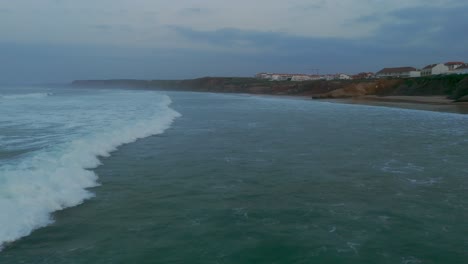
[241,179]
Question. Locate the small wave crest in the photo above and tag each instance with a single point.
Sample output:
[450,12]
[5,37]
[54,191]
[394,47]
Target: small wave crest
[25,96]
[54,180]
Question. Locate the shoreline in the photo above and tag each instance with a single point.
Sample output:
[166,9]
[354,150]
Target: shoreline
[425,103]
[425,93]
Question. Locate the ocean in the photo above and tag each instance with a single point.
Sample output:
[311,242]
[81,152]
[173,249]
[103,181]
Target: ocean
[126,176]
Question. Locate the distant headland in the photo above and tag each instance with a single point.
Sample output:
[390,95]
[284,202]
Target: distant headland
[452,87]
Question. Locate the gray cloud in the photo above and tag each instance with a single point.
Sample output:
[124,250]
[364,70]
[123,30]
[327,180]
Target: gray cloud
[102,27]
[305,7]
[113,28]
[194,11]
[374,18]
[441,30]
[160,39]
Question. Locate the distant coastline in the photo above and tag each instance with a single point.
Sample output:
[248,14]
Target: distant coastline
[448,93]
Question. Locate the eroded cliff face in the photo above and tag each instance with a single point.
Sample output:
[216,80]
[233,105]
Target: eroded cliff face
[453,86]
[461,91]
[231,85]
[361,88]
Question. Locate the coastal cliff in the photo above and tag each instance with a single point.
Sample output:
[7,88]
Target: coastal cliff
[223,85]
[454,87]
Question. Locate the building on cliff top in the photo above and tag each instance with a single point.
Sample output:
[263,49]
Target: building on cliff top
[363,75]
[435,69]
[453,65]
[398,72]
[461,70]
[343,76]
[305,77]
[287,77]
[263,75]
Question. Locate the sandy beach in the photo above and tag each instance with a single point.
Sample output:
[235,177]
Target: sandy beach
[427,103]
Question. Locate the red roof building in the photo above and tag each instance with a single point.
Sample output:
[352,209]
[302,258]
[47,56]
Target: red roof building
[452,65]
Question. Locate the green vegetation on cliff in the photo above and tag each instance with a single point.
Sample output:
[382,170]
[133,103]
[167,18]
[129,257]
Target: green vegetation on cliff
[452,86]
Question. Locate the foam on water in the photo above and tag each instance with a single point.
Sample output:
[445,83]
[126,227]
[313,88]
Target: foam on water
[81,128]
[25,96]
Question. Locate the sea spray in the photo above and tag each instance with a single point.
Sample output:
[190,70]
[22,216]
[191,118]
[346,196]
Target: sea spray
[57,175]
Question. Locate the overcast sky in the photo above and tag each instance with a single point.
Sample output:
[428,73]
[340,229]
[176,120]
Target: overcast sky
[62,40]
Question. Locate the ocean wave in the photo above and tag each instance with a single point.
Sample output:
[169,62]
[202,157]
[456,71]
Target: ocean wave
[54,180]
[25,96]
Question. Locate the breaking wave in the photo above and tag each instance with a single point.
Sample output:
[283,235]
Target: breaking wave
[58,177]
[25,96]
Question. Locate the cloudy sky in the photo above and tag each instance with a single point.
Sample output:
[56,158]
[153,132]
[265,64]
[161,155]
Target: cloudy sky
[62,40]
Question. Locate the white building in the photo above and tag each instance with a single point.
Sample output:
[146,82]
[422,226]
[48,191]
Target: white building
[300,78]
[329,77]
[414,74]
[461,70]
[273,76]
[281,77]
[453,65]
[398,72]
[287,77]
[343,76]
[434,69]
[304,77]
[263,75]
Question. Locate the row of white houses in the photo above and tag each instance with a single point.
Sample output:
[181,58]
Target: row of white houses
[300,77]
[398,72]
[287,77]
[429,70]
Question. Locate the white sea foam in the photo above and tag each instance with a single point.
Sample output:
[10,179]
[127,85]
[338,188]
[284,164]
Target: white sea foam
[25,96]
[57,176]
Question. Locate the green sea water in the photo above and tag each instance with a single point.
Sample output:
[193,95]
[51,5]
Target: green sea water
[242,179]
